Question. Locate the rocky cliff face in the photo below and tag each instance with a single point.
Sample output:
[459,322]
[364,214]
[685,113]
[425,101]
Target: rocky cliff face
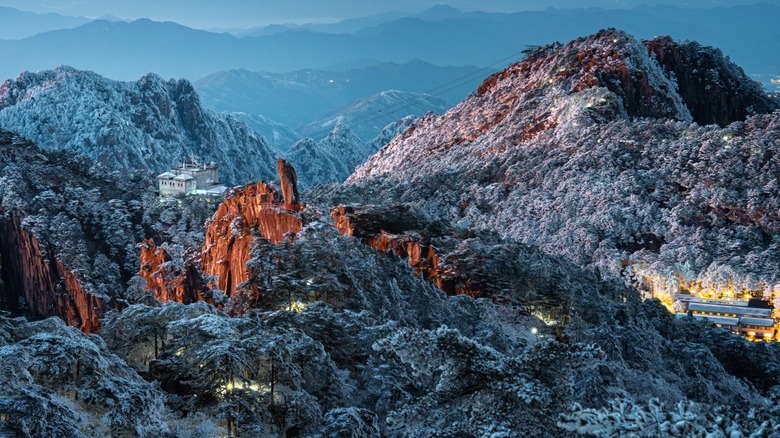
[714,89]
[246,213]
[68,233]
[149,124]
[457,261]
[289,182]
[393,230]
[38,282]
[169,280]
[256,211]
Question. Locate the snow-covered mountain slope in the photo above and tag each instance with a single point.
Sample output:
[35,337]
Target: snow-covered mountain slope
[591,150]
[148,124]
[380,352]
[278,135]
[331,159]
[368,117]
[336,156]
[69,229]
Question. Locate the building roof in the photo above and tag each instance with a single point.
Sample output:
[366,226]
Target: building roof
[217,190]
[738,310]
[761,322]
[719,302]
[722,320]
[195,166]
[184,177]
[166,175]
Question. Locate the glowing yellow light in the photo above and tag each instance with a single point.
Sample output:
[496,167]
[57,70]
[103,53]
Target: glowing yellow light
[295,306]
[231,386]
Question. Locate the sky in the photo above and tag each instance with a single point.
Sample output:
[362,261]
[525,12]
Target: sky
[227,14]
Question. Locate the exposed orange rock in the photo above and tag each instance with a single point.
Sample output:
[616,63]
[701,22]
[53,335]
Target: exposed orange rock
[427,262]
[246,211]
[245,214]
[32,271]
[169,281]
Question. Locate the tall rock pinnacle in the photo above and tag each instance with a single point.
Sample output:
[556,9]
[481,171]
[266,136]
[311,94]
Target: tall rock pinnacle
[288,180]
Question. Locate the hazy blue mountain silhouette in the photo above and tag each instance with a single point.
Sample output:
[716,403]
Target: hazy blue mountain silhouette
[16,24]
[296,98]
[749,34]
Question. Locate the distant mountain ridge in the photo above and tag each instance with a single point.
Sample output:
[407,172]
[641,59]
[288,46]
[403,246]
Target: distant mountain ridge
[16,24]
[747,33]
[298,97]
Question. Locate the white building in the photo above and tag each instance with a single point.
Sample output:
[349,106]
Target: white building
[752,319]
[191,178]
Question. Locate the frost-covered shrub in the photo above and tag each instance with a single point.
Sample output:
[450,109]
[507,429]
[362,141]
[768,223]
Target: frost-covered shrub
[58,381]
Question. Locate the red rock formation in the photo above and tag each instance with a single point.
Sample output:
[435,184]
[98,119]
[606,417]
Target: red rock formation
[32,271]
[366,224]
[288,180]
[169,281]
[230,232]
[244,214]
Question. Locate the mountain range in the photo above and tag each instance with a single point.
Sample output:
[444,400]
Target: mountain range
[125,51]
[16,24]
[371,115]
[475,277]
[309,103]
[298,97]
[151,125]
